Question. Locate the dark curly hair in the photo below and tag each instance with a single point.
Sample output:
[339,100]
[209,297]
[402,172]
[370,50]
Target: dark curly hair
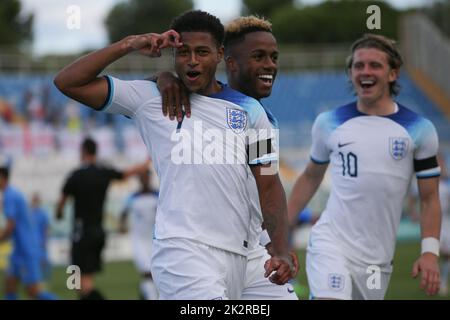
[199,21]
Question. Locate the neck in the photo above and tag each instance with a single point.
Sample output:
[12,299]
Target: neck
[382,107]
[212,88]
[88,159]
[233,83]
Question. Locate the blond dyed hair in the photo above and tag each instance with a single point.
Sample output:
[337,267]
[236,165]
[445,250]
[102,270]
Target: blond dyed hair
[236,30]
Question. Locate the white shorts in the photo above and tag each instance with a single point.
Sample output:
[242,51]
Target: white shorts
[142,252]
[332,275]
[257,287]
[185,269]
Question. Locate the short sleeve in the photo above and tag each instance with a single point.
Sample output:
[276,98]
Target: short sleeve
[114,174]
[425,153]
[262,138]
[69,186]
[125,97]
[320,153]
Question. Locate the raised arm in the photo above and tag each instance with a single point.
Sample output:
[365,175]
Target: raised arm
[430,222]
[304,188]
[80,80]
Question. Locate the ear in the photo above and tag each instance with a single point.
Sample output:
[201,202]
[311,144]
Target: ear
[393,75]
[230,64]
[220,53]
[349,73]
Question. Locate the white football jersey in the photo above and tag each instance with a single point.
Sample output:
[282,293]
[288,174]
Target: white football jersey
[372,160]
[142,208]
[202,162]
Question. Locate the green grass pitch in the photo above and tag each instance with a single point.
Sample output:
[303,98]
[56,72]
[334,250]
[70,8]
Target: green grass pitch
[119,280]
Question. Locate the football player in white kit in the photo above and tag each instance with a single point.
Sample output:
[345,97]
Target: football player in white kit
[373,146]
[141,208]
[203,218]
[251,56]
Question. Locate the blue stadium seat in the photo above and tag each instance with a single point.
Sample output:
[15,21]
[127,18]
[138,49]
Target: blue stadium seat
[296,100]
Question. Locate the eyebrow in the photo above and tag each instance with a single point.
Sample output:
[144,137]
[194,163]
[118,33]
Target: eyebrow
[194,48]
[367,62]
[262,51]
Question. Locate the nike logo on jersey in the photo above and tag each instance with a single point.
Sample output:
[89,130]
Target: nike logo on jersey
[341,145]
[290,290]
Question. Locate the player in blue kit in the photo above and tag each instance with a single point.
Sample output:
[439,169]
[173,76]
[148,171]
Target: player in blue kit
[373,146]
[24,263]
[42,223]
[202,182]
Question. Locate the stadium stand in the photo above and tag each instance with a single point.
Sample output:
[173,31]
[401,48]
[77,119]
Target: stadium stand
[296,100]
[42,129]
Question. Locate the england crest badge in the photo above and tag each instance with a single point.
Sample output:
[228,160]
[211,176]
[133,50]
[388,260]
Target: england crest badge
[398,147]
[236,120]
[336,282]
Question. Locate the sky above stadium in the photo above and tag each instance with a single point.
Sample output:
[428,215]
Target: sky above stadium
[52,35]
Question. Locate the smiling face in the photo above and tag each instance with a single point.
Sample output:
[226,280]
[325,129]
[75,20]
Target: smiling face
[196,62]
[371,75]
[253,63]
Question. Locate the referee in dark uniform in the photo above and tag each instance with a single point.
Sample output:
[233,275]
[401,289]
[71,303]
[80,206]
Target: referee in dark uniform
[88,186]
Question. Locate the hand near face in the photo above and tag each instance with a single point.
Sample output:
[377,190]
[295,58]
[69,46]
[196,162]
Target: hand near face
[150,44]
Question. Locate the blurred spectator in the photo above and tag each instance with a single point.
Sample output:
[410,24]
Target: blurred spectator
[6,111]
[24,263]
[41,221]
